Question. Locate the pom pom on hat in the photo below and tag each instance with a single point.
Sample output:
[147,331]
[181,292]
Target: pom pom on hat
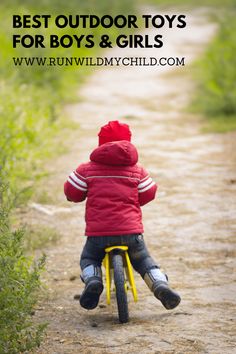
[114,131]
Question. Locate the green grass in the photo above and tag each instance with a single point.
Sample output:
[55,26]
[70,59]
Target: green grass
[38,237]
[219,124]
[216,77]
[216,4]
[215,95]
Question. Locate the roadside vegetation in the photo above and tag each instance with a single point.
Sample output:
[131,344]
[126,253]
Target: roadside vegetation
[19,284]
[192,3]
[216,91]
[30,104]
[214,73]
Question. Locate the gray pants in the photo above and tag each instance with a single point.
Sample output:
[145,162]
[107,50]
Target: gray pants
[94,251]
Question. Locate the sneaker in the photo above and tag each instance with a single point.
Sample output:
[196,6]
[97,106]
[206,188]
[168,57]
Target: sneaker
[90,296]
[169,298]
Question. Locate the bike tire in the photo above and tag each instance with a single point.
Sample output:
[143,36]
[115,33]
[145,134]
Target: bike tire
[121,295]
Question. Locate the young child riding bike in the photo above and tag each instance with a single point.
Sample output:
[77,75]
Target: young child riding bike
[115,186]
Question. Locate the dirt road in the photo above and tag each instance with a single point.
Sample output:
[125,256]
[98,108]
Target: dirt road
[189,228]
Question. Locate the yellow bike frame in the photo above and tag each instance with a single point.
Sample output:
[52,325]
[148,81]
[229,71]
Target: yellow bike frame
[128,270]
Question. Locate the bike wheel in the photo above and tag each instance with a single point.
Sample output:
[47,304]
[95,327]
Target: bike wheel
[121,295]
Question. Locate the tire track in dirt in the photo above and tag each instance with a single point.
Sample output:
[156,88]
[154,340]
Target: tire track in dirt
[189,228]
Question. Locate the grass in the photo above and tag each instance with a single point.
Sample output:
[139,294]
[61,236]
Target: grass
[38,237]
[219,124]
[216,77]
[214,73]
[216,4]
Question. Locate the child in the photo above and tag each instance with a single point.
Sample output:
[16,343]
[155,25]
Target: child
[115,187]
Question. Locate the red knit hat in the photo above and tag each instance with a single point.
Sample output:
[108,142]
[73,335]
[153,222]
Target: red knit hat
[114,131]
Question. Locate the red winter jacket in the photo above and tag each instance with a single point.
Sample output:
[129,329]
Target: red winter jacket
[115,187]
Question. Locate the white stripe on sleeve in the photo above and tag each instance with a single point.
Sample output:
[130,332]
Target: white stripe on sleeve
[78,180]
[76,185]
[147,188]
[142,180]
[145,183]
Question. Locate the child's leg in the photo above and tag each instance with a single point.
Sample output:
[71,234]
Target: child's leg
[144,264]
[157,282]
[90,262]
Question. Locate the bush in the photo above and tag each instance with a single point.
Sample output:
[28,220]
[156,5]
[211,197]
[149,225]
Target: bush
[19,285]
[217,89]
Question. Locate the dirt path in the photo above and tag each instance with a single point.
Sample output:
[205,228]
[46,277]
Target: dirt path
[189,228]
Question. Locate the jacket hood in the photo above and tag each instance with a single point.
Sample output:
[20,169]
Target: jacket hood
[115,153]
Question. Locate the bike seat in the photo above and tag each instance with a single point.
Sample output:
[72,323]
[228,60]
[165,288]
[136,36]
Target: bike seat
[122,248]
